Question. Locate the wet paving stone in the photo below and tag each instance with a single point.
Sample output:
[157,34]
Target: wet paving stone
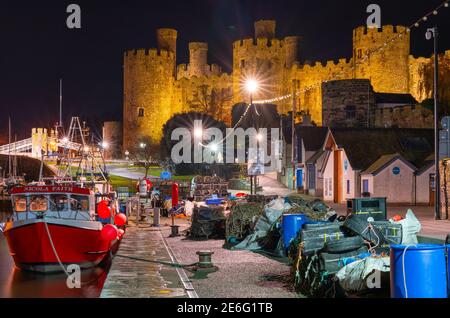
[130,278]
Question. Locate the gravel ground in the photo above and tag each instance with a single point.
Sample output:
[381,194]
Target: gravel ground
[241,274]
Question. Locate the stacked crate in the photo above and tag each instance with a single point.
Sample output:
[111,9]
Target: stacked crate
[206,186]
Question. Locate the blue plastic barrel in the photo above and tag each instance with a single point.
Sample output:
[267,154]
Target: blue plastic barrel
[448,271]
[424,274]
[291,224]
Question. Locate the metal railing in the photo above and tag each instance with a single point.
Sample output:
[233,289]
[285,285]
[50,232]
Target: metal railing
[26,145]
[17,147]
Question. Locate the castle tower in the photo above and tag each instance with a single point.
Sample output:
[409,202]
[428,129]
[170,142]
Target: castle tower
[198,58]
[38,142]
[264,59]
[149,89]
[265,29]
[388,69]
[167,39]
[291,46]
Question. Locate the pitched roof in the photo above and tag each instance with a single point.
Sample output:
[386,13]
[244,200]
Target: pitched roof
[391,98]
[316,156]
[385,161]
[365,146]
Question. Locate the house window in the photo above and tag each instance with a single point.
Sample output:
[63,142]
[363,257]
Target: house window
[365,186]
[350,111]
[348,186]
[311,176]
[140,112]
[326,187]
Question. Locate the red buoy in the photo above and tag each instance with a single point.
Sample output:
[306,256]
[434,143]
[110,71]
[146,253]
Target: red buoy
[120,233]
[109,232]
[120,219]
[104,212]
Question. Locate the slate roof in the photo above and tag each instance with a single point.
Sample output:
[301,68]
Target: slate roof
[390,98]
[385,161]
[315,157]
[365,146]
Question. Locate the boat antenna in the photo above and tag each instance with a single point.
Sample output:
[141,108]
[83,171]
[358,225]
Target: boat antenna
[60,103]
[9,146]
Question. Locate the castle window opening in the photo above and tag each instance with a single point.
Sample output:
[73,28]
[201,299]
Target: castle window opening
[140,112]
[242,64]
[350,111]
[359,53]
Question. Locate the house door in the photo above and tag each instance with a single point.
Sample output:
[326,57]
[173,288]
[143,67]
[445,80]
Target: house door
[432,185]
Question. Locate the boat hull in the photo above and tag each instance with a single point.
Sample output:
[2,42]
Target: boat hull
[74,242]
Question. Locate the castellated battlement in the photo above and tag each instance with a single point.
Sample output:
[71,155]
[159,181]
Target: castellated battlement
[38,131]
[341,63]
[259,42]
[384,32]
[150,54]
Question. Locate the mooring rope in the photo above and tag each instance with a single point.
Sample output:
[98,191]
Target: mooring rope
[177,265]
[58,258]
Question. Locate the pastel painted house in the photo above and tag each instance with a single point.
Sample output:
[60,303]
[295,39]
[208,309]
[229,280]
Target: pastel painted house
[392,163]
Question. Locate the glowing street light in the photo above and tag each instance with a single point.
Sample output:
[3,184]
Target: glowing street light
[251,85]
[65,139]
[142,145]
[104,144]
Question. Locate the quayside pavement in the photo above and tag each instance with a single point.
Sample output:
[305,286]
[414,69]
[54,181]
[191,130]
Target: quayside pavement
[241,274]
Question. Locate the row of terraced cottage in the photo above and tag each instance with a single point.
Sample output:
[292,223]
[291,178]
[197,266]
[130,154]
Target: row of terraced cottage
[337,164]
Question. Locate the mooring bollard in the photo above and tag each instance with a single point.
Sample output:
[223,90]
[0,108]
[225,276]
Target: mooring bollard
[156,215]
[204,259]
[174,230]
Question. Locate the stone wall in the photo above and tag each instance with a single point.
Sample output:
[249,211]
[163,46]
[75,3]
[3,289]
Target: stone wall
[348,103]
[404,117]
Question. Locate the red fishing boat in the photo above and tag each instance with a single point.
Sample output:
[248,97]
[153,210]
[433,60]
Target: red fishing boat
[54,226]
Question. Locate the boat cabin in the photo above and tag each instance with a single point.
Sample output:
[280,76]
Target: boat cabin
[53,201]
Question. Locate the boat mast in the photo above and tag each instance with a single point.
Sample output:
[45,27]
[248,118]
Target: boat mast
[9,147]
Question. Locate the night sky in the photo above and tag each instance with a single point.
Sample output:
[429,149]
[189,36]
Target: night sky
[37,48]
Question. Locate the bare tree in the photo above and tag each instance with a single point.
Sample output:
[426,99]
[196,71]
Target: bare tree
[211,101]
[145,153]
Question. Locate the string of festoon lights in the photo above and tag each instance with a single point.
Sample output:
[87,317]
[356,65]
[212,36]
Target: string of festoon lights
[363,59]
[338,75]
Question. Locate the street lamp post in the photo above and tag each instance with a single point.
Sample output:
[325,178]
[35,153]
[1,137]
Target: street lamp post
[294,110]
[433,34]
[252,86]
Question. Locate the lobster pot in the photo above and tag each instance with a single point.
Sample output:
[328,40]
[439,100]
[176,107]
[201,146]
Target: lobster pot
[418,271]
[291,225]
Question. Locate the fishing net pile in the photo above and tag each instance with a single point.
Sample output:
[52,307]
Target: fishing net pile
[314,210]
[208,222]
[240,222]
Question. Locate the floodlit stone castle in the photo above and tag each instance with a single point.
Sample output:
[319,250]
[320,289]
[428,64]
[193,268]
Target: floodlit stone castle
[156,88]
